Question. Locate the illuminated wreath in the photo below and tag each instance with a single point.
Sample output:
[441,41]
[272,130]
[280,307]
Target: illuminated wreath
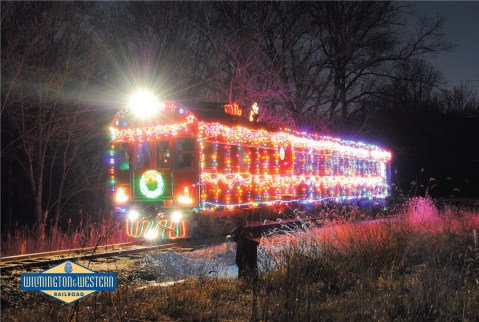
[152,184]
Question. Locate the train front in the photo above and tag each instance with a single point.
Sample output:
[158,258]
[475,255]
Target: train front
[154,168]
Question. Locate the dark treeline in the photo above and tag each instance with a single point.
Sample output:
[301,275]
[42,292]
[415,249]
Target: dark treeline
[355,69]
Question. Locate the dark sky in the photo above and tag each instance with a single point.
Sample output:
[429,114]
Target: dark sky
[462,29]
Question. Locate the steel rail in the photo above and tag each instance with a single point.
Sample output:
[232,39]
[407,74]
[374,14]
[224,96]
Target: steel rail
[91,253]
[14,258]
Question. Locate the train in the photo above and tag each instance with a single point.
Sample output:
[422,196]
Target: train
[187,170]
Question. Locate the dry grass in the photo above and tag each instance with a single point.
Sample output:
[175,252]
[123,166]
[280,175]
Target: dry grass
[43,237]
[420,267]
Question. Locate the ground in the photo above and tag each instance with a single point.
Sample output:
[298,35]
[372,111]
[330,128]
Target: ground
[421,266]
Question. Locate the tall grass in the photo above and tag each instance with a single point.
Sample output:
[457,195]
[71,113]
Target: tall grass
[42,237]
[422,266]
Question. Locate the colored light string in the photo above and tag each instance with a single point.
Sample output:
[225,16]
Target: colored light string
[166,229]
[245,167]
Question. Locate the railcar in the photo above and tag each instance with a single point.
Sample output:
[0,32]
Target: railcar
[186,170]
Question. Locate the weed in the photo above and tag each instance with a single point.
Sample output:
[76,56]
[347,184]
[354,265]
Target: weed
[43,237]
[420,266]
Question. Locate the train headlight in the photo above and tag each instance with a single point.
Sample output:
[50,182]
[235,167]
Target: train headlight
[144,104]
[151,234]
[133,215]
[176,216]
[121,195]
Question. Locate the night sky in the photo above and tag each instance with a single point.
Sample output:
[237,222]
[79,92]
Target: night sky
[461,29]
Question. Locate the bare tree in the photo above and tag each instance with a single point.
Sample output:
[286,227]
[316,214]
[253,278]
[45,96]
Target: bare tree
[318,61]
[237,65]
[364,42]
[460,99]
[413,85]
[152,45]
[46,69]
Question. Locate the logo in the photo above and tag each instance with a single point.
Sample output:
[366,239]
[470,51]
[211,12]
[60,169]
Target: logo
[68,282]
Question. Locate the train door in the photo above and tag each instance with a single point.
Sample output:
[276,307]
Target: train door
[151,179]
[120,178]
[185,173]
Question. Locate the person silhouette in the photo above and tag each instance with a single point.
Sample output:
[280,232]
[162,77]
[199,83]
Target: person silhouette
[246,251]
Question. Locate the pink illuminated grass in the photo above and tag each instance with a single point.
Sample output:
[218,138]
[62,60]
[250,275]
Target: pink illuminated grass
[42,238]
[420,266]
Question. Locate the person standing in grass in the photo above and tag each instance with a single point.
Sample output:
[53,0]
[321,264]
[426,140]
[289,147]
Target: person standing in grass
[246,251]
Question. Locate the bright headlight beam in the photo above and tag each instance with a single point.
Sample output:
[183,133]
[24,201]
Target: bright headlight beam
[133,215]
[151,234]
[176,216]
[144,104]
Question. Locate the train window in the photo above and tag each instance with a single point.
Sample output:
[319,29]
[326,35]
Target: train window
[265,163]
[322,165]
[221,157]
[284,160]
[270,155]
[381,169]
[297,163]
[328,166]
[123,157]
[209,151]
[243,159]
[374,170]
[335,166]
[185,149]
[300,163]
[233,158]
[309,164]
[355,167]
[340,166]
[256,160]
[362,168]
[347,167]
[142,159]
[162,154]
[315,164]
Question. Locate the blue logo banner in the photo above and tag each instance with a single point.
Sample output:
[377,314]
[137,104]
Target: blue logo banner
[68,282]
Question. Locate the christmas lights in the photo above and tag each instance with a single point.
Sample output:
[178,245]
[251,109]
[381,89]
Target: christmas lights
[172,230]
[137,228]
[121,195]
[149,133]
[319,167]
[239,166]
[142,228]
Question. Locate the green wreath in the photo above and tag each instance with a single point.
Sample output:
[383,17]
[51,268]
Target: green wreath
[152,184]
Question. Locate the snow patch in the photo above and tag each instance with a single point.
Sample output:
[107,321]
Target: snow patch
[217,261]
[156,284]
[213,261]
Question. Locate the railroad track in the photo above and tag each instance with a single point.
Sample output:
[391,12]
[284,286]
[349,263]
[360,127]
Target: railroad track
[124,250]
[100,253]
[110,252]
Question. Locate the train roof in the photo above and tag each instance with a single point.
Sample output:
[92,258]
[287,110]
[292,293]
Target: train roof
[203,111]
[215,112]
[225,120]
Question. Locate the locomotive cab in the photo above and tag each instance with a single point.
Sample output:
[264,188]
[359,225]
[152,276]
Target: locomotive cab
[154,173]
